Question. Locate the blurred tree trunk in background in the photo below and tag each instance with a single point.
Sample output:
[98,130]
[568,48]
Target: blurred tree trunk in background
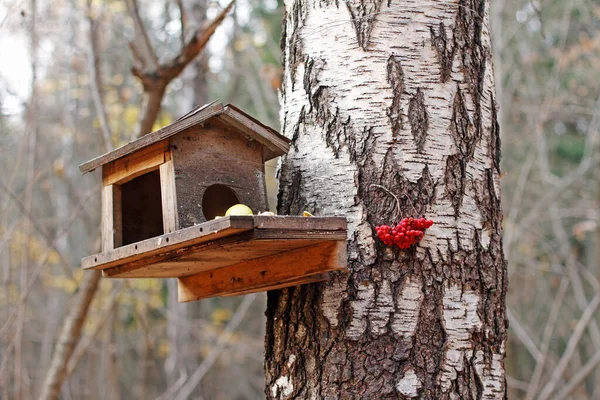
[391,109]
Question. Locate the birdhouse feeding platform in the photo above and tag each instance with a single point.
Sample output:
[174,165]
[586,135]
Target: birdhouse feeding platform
[161,194]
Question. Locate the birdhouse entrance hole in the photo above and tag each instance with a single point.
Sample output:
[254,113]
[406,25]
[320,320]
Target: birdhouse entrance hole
[141,208]
[216,200]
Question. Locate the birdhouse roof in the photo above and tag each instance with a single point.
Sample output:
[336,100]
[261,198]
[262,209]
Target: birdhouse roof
[274,144]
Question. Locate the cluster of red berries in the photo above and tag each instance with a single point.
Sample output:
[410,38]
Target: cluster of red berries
[408,232]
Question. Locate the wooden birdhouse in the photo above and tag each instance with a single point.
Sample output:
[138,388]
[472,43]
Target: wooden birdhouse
[163,201]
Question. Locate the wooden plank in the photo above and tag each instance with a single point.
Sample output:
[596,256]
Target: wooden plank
[274,143]
[171,263]
[184,237]
[269,271]
[168,197]
[291,223]
[265,234]
[203,257]
[293,282]
[180,125]
[275,239]
[213,155]
[136,164]
[111,217]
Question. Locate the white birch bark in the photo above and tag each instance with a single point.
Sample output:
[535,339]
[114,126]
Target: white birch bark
[399,95]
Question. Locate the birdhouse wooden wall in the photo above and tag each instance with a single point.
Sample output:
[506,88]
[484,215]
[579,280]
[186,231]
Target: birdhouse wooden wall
[186,179]
[216,166]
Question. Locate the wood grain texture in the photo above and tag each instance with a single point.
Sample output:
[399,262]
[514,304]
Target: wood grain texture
[293,223]
[111,217]
[206,256]
[278,270]
[275,143]
[181,238]
[315,244]
[271,233]
[136,164]
[169,197]
[293,282]
[216,154]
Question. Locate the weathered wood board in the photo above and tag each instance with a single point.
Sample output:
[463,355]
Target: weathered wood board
[216,154]
[127,168]
[233,255]
[274,143]
[274,271]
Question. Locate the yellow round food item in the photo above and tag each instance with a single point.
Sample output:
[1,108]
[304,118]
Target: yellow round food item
[238,209]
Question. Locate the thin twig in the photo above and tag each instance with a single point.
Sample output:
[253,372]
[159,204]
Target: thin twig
[571,346]
[183,20]
[85,342]
[398,209]
[523,335]
[546,339]
[96,79]
[214,354]
[141,40]
[50,243]
[583,373]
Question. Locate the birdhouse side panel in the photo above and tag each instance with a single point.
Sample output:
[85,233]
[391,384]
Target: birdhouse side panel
[216,167]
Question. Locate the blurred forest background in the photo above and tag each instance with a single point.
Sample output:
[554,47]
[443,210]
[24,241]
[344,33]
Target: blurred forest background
[67,94]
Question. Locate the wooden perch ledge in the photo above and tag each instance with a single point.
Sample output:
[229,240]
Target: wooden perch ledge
[233,255]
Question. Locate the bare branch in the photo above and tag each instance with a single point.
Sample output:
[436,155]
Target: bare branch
[183,20]
[523,335]
[571,346]
[85,344]
[198,41]
[156,80]
[96,81]
[223,340]
[583,373]
[141,42]
[69,337]
[546,339]
[50,243]
[151,103]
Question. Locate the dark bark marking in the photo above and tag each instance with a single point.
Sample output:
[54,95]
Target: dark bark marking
[467,43]
[395,76]
[318,95]
[299,14]
[291,201]
[429,339]
[364,14]
[287,312]
[419,119]
[454,179]
[487,201]
[445,55]
[495,142]
[465,137]
[296,133]
[283,38]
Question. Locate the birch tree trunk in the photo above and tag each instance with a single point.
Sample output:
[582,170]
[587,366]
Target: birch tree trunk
[385,101]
